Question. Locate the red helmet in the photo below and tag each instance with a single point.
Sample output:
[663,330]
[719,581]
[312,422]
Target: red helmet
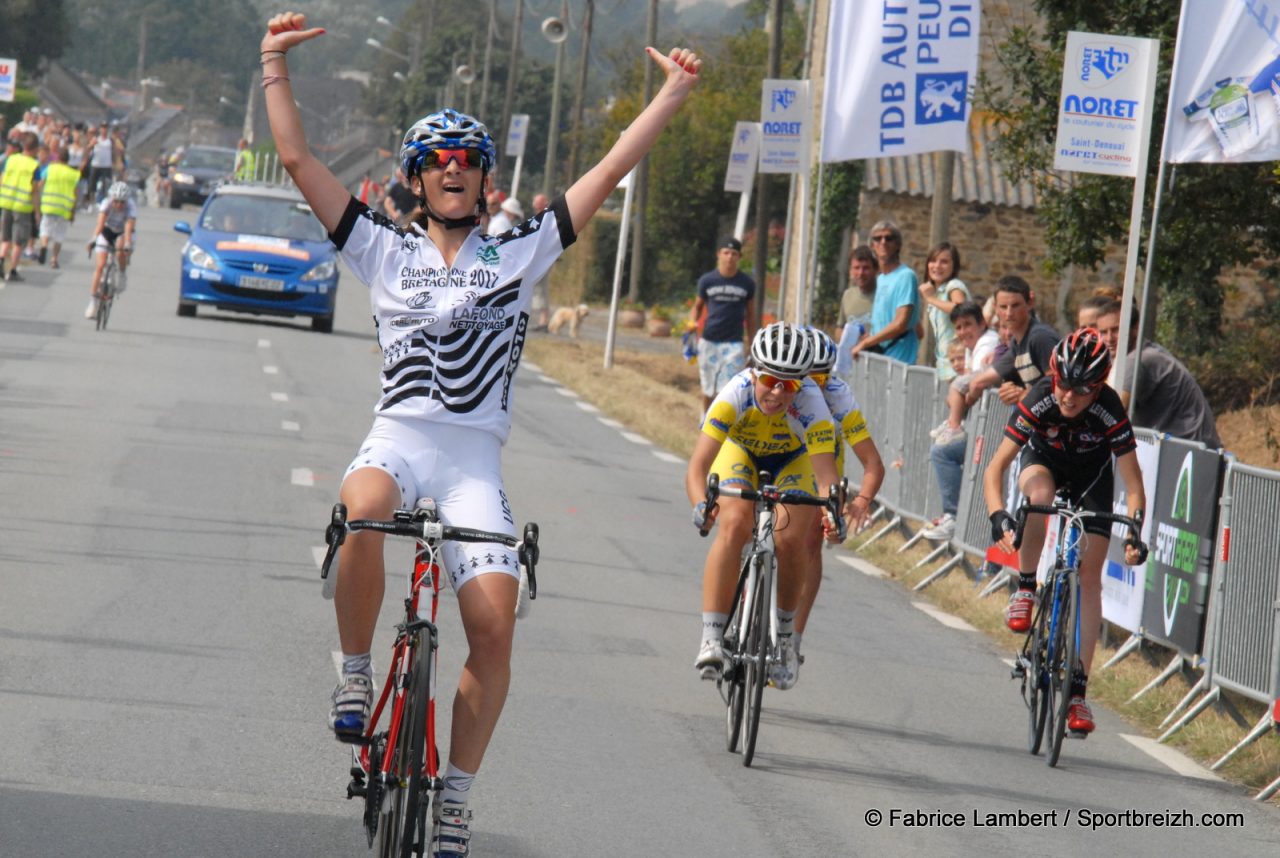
[1080,360]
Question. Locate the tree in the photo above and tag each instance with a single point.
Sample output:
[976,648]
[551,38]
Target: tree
[31,31]
[1213,216]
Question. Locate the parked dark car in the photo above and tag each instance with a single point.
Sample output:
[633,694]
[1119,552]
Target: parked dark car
[201,169]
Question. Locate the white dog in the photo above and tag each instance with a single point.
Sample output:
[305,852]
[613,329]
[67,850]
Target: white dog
[568,315]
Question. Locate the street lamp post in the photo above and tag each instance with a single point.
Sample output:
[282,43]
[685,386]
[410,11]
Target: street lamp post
[374,43]
[558,37]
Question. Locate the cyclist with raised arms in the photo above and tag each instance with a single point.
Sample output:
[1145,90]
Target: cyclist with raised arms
[117,216]
[851,427]
[768,417]
[451,308]
[1068,430]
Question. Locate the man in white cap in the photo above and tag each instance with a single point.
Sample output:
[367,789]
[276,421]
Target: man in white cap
[509,214]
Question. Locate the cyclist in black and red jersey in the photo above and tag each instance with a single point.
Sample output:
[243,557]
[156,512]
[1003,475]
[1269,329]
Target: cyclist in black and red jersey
[1068,430]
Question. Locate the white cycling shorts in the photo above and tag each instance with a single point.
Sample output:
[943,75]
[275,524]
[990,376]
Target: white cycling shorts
[459,467]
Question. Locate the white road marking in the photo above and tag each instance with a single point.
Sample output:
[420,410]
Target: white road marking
[302,477]
[264,344]
[279,397]
[564,391]
[862,566]
[612,424]
[1009,662]
[667,457]
[290,426]
[337,662]
[271,370]
[1175,760]
[587,407]
[949,620]
[546,379]
[637,439]
[533,366]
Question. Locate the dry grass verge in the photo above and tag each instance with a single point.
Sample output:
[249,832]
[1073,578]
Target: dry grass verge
[658,397]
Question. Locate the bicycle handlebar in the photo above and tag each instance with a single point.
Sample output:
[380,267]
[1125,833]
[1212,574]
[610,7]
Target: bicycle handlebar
[772,496]
[406,523]
[1135,527]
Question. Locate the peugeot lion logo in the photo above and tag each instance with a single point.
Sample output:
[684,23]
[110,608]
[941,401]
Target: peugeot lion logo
[261,267]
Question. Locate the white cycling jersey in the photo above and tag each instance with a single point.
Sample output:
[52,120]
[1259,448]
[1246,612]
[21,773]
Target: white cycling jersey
[451,337]
[118,216]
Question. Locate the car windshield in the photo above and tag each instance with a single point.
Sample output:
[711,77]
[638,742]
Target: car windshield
[279,218]
[199,159]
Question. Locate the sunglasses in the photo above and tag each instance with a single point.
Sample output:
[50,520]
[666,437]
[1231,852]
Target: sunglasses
[788,385]
[466,159]
[1078,389]
[876,239]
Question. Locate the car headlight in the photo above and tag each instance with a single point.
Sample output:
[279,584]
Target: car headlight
[323,271]
[184,178]
[201,258]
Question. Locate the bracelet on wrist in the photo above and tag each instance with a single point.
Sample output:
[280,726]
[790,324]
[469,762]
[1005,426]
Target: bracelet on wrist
[269,79]
[273,53]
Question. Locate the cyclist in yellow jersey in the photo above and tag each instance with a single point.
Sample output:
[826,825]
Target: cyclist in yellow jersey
[769,417]
[852,428]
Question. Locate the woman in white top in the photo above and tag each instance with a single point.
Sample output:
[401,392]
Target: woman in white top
[451,309]
[941,290]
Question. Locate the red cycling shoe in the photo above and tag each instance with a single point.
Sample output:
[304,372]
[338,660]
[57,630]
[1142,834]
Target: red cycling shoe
[1079,716]
[1017,615]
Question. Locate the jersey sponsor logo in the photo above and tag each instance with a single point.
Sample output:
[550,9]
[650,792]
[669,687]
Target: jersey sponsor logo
[506,510]
[479,318]
[488,255]
[419,300]
[1108,419]
[789,480]
[409,321]
[513,358]
[1038,409]
[409,245]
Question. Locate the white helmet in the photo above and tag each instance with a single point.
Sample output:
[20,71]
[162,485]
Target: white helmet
[118,191]
[824,351]
[784,350]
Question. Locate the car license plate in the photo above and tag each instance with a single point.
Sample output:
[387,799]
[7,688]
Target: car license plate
[266,284]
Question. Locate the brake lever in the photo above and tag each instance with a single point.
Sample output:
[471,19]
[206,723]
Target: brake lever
[334,535]
[529,557]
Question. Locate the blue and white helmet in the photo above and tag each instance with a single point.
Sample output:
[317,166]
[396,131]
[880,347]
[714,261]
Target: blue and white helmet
[445,129]
[784,350]
[824,351]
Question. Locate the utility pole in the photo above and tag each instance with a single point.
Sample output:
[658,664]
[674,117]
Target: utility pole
[488,56]
[140,102]
[580,91]
[642,169]
[553,130]
[774,27]
[513,72]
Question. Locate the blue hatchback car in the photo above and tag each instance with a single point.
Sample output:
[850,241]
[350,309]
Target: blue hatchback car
[259,249]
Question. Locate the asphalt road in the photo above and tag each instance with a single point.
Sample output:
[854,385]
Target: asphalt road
[166,658]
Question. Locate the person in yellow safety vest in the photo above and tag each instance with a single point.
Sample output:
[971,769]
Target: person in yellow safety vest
[57,204]
[245,162]
[19,194]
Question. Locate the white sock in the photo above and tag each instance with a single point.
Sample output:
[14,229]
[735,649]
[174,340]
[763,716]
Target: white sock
[795,639]
[786,622]
[457,784]
[361,663]
[713,626]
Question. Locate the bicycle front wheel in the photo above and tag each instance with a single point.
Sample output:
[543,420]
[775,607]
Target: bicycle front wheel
[731,689]
[1037,678]
[402,827]
[1064,648]
[107,291]
[755,657]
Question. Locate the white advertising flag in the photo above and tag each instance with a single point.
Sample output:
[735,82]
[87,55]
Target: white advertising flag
[8,78]
[784,126]
[898,78]
[742,157]
[1224,99]
[1108,90]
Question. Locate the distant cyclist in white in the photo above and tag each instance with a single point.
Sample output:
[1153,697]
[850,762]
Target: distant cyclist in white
[117,216]
[451,309]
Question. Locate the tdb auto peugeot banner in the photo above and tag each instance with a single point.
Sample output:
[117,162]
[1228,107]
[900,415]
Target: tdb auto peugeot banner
[1184,517]
[1224,102]
[898,77]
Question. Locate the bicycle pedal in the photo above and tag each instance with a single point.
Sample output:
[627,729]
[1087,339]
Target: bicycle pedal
[710,674]
[357,787]
[1018,671]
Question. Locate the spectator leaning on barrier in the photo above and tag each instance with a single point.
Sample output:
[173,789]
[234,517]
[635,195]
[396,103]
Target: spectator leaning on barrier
[947,452]
[895,311]
[1031,343]
[941,291]
[728,296]
[1169,397]
[855,305]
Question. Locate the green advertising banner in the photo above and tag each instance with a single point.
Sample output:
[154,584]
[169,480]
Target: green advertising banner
[1184,519]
